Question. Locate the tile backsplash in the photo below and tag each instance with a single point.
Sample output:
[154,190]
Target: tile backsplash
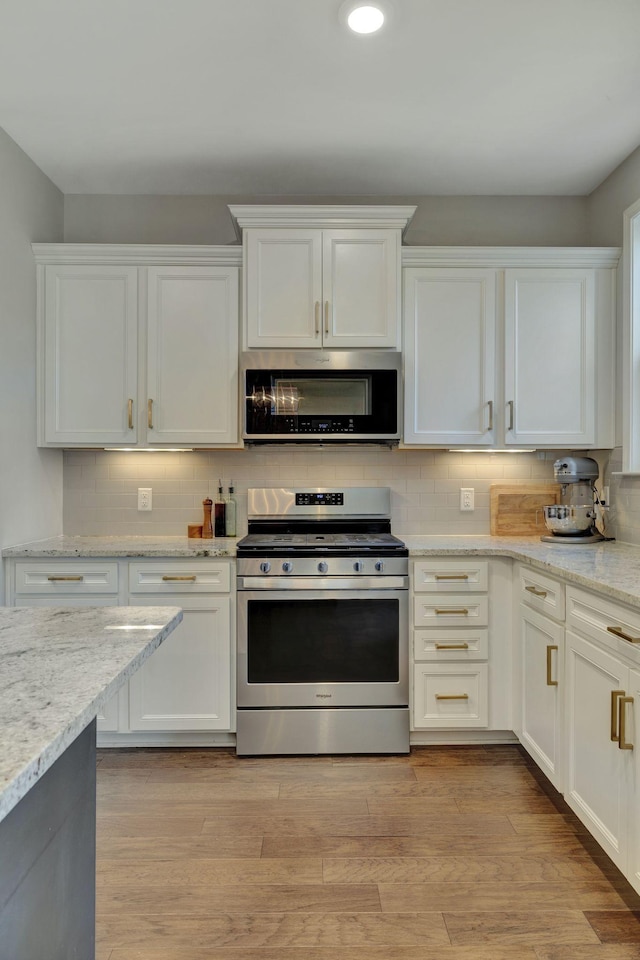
[100,487]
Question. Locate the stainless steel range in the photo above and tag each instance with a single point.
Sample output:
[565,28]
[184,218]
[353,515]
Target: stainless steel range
[322,624]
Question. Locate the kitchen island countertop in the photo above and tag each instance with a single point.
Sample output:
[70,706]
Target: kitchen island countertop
[58,666]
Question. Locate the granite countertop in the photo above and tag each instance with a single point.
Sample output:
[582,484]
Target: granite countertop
[58,666]
[609,567]
[124,547]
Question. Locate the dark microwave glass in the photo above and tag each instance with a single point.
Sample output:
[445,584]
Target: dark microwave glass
[339,402]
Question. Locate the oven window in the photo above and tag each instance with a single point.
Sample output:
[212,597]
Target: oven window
[323,641]
[306,396]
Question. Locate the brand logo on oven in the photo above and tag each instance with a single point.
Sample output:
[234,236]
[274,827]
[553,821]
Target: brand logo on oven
[324,696]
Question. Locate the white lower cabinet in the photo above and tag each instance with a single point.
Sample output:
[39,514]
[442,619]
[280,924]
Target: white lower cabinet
[450,644]
[539,635]
[185,689]
[603,690]
[185,684]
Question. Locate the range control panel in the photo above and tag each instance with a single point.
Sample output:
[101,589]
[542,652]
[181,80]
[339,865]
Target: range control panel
[331,499]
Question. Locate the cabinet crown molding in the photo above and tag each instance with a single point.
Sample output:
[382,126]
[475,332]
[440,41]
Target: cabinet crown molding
[138,254]
[502,257]
[319,216]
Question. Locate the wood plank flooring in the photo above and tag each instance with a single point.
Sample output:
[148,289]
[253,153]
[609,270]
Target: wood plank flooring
[447,854]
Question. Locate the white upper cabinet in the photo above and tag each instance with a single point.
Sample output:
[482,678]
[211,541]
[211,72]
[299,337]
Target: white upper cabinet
[550,343]
[322,276]
[192,350]
[89,354]
[449,348]
[137,351]
[509,347]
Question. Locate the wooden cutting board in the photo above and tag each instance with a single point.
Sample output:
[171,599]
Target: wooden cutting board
[516,508]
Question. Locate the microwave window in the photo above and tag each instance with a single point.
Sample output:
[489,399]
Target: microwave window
[301,396]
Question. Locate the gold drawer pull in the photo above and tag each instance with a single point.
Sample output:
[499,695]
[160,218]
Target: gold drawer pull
[317,314]
[130,413]
[452,576]
[536,592]
[192,578]
[326,317]
[550,683]
[75,579]
[619,632]
[452,646]
[622,723]
[452,612]
[615,736]
[150,414]
[452,696]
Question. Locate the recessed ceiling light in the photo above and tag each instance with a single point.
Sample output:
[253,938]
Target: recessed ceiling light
[364,18]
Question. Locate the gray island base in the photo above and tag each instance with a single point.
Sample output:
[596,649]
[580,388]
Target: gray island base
[57,668]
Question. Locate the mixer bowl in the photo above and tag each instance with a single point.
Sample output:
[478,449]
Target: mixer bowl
[569,519]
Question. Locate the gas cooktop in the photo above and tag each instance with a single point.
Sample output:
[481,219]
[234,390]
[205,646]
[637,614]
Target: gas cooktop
[320,542]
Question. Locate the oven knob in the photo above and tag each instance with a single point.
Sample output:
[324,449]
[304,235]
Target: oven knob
[358,566]
[323,567]
[287,567]
[265,566]
[379,566]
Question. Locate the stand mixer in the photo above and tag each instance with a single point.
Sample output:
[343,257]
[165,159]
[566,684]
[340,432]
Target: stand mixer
[573,520]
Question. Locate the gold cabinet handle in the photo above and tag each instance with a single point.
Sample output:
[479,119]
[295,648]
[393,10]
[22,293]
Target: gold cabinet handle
[452,612]
[317,314]
[150,414]
[191,578]
[615,694]
[130,413]
[490,426]
[452,646]
[451,576]
[550,648]
[510,405]
[536,592]
[623,744]
[452,696]
[326,316]
[619,632]
[75,579]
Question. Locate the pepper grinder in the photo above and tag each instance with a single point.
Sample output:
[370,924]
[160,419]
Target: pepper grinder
[207,529]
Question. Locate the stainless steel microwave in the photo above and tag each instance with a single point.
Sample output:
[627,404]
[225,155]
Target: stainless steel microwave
[315,396]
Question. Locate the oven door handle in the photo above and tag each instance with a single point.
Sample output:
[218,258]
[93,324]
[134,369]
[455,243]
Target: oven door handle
[323,583]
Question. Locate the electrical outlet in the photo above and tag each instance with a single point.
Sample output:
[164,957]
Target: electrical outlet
[466,498]
[144,498]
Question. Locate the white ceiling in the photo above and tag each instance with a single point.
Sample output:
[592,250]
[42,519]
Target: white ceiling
[275,97]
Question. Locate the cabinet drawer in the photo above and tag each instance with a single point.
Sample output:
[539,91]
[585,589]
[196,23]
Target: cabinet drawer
[456,576]
[613,624]
[542,593]
[451,695]
[64,578]
[451,610]
[170,576]
[450,645]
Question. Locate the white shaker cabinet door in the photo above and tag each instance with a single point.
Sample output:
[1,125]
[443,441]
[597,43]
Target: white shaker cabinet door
[541,683]
[283,288]
[632,715]
[550,382]
[192,372]
[449,347]
[595,783]
[186,683]
[361,302]
[90,330]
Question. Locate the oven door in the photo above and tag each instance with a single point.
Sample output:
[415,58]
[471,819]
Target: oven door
[322,648]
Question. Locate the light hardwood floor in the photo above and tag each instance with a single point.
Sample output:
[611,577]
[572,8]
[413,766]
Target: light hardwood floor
[447,854]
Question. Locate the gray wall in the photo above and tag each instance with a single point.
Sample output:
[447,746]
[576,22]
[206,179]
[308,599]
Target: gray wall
[481,221]
[31,208]
[608,202]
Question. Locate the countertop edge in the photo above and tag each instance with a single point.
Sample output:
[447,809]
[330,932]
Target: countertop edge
[35,768]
